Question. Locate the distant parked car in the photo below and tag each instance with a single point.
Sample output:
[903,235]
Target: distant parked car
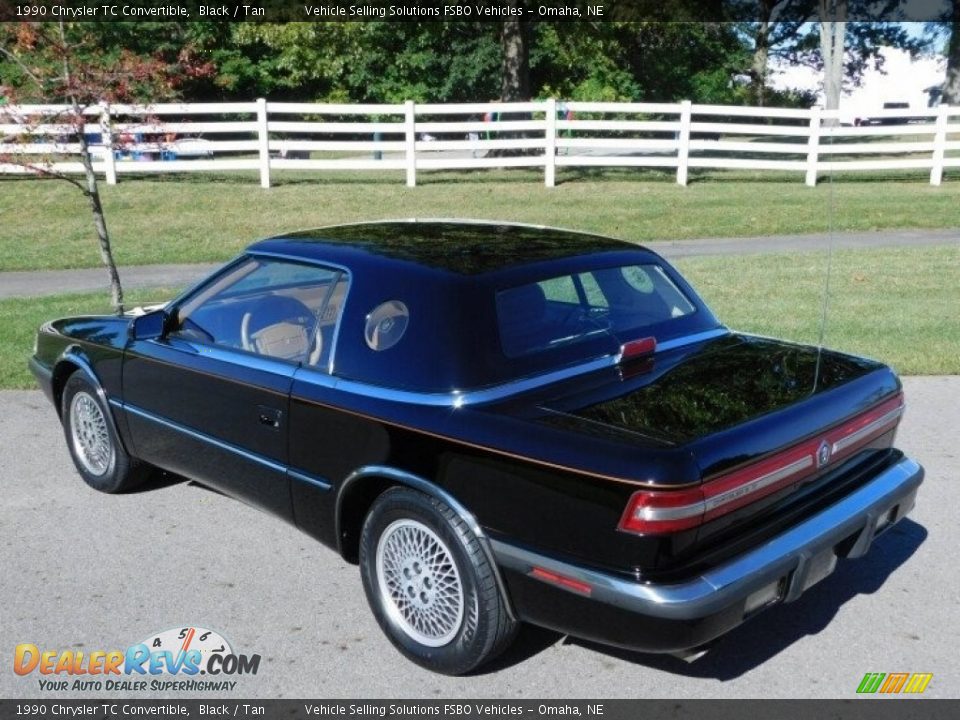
[189,148]
[892,119]
[499,423]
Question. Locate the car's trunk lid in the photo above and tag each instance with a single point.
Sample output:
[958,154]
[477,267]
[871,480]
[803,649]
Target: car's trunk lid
[688,396]
[761,418]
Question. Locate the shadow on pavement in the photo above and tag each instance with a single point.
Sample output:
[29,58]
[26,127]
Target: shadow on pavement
[158,480]
[530,641]
[766,635]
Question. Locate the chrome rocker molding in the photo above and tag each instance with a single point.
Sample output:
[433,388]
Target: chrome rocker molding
[787,555]
[428,488]
[280,468]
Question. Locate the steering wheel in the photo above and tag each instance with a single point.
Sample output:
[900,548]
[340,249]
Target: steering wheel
[273,310]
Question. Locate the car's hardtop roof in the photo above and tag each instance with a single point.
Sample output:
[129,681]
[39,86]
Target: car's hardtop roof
[457,247]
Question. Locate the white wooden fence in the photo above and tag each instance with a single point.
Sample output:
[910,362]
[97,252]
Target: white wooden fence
[272,136]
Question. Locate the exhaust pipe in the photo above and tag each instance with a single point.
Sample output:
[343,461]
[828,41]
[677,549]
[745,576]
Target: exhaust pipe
[693,654]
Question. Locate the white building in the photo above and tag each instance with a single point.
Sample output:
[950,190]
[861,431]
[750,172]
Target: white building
[903,80]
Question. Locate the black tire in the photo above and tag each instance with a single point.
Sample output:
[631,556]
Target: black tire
[477,634]
[110,471]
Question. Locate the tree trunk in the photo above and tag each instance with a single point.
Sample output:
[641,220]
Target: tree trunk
[758,68]
[833,28]
[761,54]
[515,77]
[100,223]
[951,88]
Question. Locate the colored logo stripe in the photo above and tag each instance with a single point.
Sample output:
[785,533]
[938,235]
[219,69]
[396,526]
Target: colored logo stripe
[918,683]
[870,682]
[894,683]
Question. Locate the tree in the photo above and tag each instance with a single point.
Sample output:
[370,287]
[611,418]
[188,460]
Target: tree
[364,62]
[841,49]
[515,75]
[779,26]
[951,88]
[63,63]
[682,61]
[833,34]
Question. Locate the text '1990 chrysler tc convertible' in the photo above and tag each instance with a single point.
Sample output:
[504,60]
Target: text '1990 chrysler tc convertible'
[499,424]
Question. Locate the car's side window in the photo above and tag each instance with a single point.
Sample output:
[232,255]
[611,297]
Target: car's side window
[280,309]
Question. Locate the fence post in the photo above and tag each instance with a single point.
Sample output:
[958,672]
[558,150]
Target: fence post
[263,136]
[106,137]
[683,142]
[550,150]
[410,127]
[813,145]
[939,144]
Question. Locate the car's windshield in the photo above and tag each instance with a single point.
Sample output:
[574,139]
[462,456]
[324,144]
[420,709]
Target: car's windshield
[559,311]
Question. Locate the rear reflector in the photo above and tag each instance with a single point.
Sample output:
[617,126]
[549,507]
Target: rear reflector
[666,511]
[563,581]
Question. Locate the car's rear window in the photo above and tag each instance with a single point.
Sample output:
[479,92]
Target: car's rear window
[567,309]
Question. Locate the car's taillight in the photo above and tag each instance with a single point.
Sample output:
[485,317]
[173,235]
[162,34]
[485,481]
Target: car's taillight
[666,511]
[659,511]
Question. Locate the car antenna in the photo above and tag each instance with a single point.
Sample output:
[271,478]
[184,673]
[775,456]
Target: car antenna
[825,302]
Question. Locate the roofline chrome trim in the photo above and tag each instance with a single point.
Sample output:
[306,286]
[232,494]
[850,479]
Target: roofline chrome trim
[432,489]
[457,398]
[786,555]
[691,339]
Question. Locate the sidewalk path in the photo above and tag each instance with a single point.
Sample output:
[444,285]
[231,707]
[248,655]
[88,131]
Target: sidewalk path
[53,282]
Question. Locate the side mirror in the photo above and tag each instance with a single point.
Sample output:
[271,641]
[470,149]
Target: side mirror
[150,325]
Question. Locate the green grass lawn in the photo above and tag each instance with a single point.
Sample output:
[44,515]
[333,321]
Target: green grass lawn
[20,318]
[898,305]
[46,224]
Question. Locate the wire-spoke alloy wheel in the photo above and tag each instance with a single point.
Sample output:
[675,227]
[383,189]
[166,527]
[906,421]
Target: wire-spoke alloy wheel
[90,437]
[419,582]
[430,584]
[92,440]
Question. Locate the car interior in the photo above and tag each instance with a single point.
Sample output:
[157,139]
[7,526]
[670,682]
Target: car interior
[291,320]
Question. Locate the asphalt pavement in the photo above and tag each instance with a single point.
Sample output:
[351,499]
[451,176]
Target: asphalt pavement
[86,571]
[53,282]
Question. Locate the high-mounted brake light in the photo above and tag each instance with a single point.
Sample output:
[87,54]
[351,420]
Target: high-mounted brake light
[638,348]
[666,511]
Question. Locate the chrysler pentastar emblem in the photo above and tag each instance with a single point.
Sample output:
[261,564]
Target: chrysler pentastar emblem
[823,454]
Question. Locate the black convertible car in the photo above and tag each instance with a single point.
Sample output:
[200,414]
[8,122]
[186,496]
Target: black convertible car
[499,423]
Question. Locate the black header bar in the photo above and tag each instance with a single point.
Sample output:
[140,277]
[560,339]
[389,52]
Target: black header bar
[115,708]
[461,10]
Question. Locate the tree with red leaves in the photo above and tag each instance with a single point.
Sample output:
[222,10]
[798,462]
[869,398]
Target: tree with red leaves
[62,76]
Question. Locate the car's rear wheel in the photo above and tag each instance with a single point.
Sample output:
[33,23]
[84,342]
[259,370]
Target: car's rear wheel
[430,585]
[94,447]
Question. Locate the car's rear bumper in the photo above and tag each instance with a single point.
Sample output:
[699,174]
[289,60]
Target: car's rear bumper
[675,617]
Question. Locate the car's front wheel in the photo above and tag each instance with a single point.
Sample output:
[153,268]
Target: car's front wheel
[430,585]
[96,451]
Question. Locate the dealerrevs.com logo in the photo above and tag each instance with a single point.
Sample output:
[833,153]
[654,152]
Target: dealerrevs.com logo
[172,660]
[894,683]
